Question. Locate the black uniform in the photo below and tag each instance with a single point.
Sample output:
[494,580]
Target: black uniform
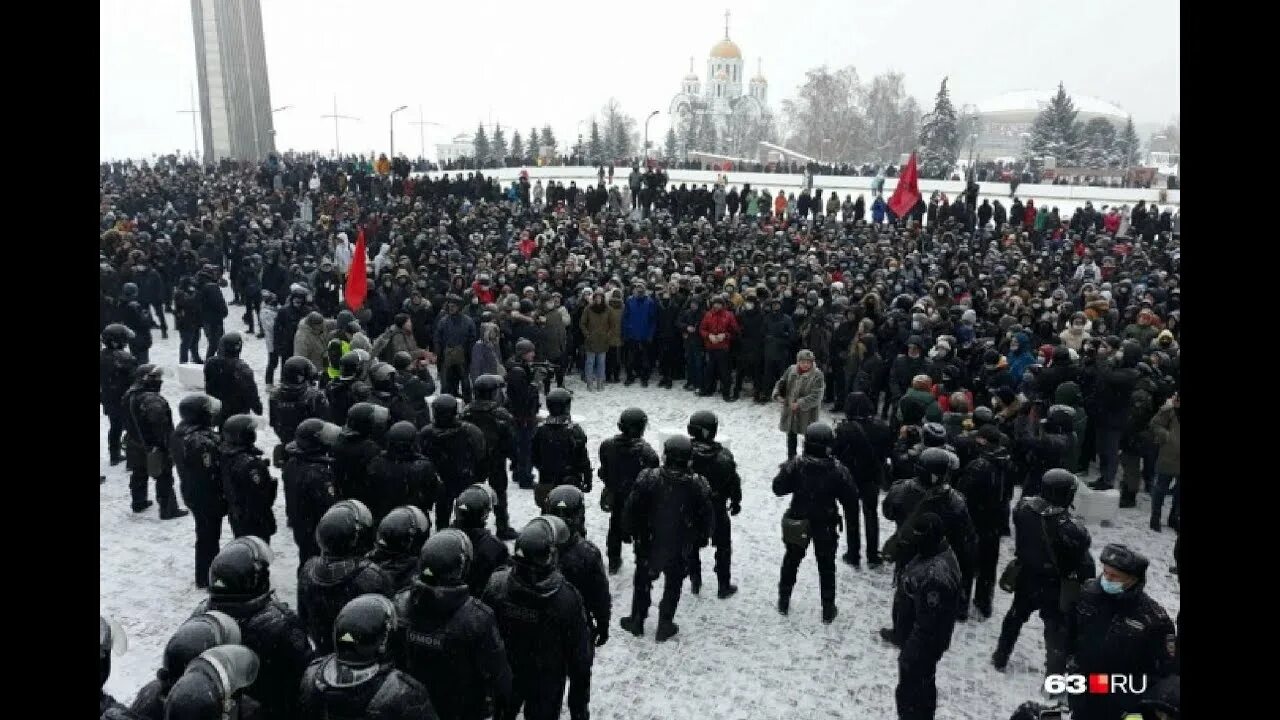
[862,445]
[909,497]
[148,426]
[195,455]
[272,631]
[389,695]
[449,641]
[750,350]
[981,481]
[491,554]
[815,484]
[137,318]
[249,488]
[668,517]
[779,329]
[926,601]
[231,380]
[622,459]
[560,455]
[1040,451]
[416,390]
[115,374]
[290,404]
[352,456]
[498,427]
[715,463]
[523,402]
[548,641]
[401,476]
[457,452]
[309,490]
[342,394]
[582,565]
[325,584]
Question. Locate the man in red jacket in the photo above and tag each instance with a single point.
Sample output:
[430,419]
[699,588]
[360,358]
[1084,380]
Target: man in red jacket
[718,329]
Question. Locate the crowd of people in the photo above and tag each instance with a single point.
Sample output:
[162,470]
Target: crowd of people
[968,350]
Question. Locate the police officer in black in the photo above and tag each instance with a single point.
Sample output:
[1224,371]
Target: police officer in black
[928,594]
[401,535]
[456,448]
[448,639]
[295,399]
[715,464]
[622,458]
[471,515]
[863,444]
[488,414]
[187,643]
[341,573]
[194,447]
[108,707]
[815,481]
[310,487]
[137,317]
[386,392]
[544,627]
[240,586]
[347,389]
[560,449]
[246,480]
[416,384]
[1044,445]
[1116,627]
[981,483]
[358,444]
[668,517]
[213,306]
[1051,551]
[401,474]
[115,374]
[230,379]
[214,685]
[580,559]
[359,678]
[523,402]
[148,429]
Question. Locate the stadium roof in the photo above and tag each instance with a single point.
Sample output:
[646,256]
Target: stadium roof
[1035,100]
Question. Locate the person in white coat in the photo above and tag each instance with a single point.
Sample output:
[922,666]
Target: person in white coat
[314,183]
[342,253]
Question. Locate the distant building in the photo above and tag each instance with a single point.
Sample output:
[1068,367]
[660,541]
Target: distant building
[235,98]
[1004,121]
[461,146]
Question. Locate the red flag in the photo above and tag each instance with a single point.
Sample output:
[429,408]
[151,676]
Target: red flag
[907,193]
[357,283]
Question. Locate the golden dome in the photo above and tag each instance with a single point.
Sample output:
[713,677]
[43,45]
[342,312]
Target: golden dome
[726,49]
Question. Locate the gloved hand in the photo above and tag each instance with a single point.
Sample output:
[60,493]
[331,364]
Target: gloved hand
[586,485]
[601,634]
[735,507]
[604,502]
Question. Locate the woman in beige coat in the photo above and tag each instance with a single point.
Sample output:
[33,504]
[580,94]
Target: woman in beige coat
[800,391]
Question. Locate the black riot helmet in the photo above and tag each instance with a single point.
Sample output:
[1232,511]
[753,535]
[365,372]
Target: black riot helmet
[472,508]
[211,685]
[703,425]
[487,387]
[1060,419]
[383,377]
[444,411]
[206,630]
[983,416]
[402,361]
[445,560]
[632,422]
[558,401]
[116,336]
[199,409]
[129,291]
[402,437]
[1058,487]
[362,630]
[818,439]
[111,641]
[314,433]
[567,503]
[350,363]
[403,531]
[345,529]
[240,430]
[241,570]
[368,419]
[933,434]
[524,346]
[230,345]
[677,451]
[934,466]
[538,543]
[149,376]
[298,370]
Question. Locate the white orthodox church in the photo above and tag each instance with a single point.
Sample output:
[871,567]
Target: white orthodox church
[738,116]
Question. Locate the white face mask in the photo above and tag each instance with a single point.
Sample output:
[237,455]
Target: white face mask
[750,306]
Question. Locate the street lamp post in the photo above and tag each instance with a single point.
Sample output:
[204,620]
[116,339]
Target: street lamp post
[392,151]
[337,142]
[646,137]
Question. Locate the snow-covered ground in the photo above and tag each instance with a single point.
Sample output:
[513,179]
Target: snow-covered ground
[735,658]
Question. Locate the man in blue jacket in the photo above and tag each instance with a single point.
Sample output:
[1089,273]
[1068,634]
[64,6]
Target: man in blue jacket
[639,322]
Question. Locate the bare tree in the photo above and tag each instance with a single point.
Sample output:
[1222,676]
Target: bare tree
[827,106]
[893,119]
[617,129]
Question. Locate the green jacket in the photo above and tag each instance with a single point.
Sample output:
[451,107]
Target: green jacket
[1168,432]
[917,404]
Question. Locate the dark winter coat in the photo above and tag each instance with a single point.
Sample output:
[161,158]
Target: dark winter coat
[250,490]
[639,318]
[489,555]
[115,375]
[583,566]
[716,465]
[903,370]
[309,490]
[400,477]
[498,427]
[522,394]
[290,404]
[1049,543]
[342,393]
[137,317]
[457,453]
[981,482]
[326,584]
[668,515]
[388,695]
[931,592]
[352,454]
[902,500]
[213,307]
[231,381]
[195,456]
[815,484]
[596,323]
[622,459]
[560,453]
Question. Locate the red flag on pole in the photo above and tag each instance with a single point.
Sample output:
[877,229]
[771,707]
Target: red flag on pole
[907,193]
[357,283]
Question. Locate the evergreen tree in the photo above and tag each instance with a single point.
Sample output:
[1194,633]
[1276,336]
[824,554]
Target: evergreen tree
[499,146]
[671,143]
[548,137]
[939,138]
[482,146]
[710,141]
[1099,137]
[1126,146]
[690,135]
[594,146]
[621,141]
[534,147]
[517,147]
[1055,132]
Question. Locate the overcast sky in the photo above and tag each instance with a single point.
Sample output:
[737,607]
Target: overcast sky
[533,63]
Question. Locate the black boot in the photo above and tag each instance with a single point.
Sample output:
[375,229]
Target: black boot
[665,383]
[635,626]
[116,458]
[1155,523]
[644,382]
[886,634]
[505,532]
[169,509]
[666,630]
[695,584]
[727,589]
[141,506]
[828,613]
[851,559]
[1128,499]
[164,333]
[615,564]
[1099,484]
[999,660]
[874,561]
[784,600]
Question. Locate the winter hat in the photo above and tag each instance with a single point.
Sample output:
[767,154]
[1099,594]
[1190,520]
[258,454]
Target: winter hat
[969,317]
[804,355]
[929,534]
[315,319]
[1006,395]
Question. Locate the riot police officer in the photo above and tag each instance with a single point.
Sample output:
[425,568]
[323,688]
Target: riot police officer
[347,389]
[148,429]
[240,586]
[863,444]
[580,559]
[471,516]
[543,625]
[194,447]
[416,384]
[498,427]
[668,516]
[137,317]
[622,458]
[560,449]
[192,638]
[1045,445]
[246,480]
[815,481]
[448,639]
[341,573]
[981,482]
[401,474]
[358,444]
[456,448]
[715,464]
[110,638]
[523,402]
[116,366]
[309,484]
[215,687]
[401,535]
[295,399]
[385,384]
[230,379]
[927,596]
[358,679]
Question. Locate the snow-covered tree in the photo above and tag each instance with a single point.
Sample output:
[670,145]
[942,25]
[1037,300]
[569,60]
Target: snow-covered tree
[531,151]
[481,142]
[671,143]
[826,108]
[517,147]
[893,117]
[499,146]
[548,138]
[1126,147]
[1099,141]
[939,138]
[617,129]
[1054,133]
[689,134]
[594,146]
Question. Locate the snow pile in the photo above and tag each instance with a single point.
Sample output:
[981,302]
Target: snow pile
[735,658]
